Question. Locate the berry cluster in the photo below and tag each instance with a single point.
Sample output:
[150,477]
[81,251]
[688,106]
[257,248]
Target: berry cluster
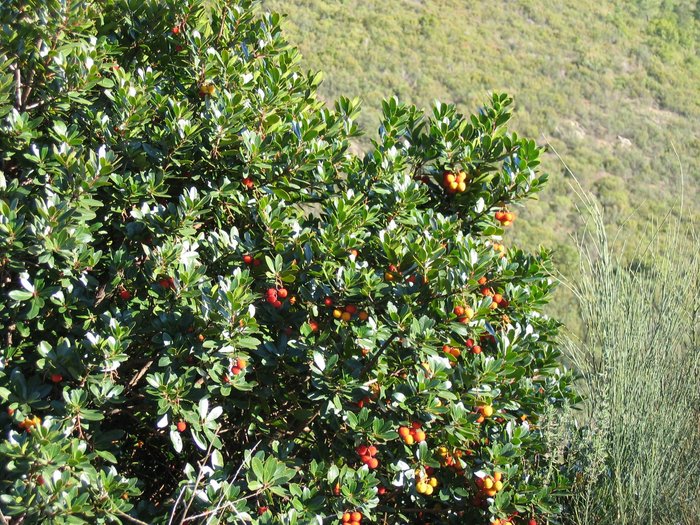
[505,217]
[454,182]
[412,435]
[29,423]
[484,411]
[451,350]
[473,347]
[347,313]
[251,261]
[273,296]
[497,298]
[367,455]
[464,313]
[167,283]
[352,518]
[451,459]
[425,482]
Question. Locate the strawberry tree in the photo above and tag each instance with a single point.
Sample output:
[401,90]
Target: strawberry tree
[213,311]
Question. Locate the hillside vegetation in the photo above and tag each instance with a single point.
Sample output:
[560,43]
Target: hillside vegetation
[613,87]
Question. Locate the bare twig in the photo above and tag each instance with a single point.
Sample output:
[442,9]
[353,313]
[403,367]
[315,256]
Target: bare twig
[378,354]
[131,518]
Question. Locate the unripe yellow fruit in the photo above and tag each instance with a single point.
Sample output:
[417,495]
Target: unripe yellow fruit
[488,483]
[487,410]
[428,490]
[498,485]
[409,440]
[433,482]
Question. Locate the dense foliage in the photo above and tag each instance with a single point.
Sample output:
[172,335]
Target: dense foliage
[212,311]
[612,86]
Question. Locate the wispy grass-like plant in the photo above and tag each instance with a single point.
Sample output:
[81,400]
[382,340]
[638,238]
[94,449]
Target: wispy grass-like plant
[636,444]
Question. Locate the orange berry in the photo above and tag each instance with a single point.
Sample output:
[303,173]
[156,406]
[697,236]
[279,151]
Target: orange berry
[480,419]
[458,311]
[419,436]
[372,450]
[497,476]
[404,432]
[497,298]
[373,463]
[181,426]
[356,516]
[482,280]
[476,349]
[363,316]
[361,450]
[346,316]
[449,178]
[347,517]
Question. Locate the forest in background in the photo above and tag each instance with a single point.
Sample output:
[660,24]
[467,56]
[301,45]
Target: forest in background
[613,87]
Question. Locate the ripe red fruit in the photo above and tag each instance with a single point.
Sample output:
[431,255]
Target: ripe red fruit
[56,378]
[40,480]
[356,516]
[277,304]
[282,293]
[313,325]
[459,311]
[125,295]
[381,490]
[262,510]
[10,411]
[257,262]
[532,521]
[361,450]
[476,349]
[416,425]
[181,426]
[166,282]
[351,308]
[235,370]
[470,343]
[248,259]
[176,30]
[248,183]
[271,292]
[328,301]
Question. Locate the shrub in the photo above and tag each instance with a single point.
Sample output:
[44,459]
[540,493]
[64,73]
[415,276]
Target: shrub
[634,447]
[214,312]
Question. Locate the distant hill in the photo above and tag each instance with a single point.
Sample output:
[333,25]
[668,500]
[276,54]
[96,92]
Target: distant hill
[614,86]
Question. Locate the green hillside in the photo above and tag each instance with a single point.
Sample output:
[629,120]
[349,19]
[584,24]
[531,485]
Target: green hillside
[613,86]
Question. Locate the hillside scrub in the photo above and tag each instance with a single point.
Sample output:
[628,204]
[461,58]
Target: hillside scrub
[634,449]
[213,312]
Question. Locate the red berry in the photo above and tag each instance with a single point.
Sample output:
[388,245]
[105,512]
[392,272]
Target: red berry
[533,521]
[381,491]
[365,459]
[277,304]
[470,343]
[176,30]
[351,308]
[166,282]
[10,411]
[328,301]
[262,510]
[313,325]
[373,463]
[125,295]
[248,259]
[257,262]
[181,426]
[235,370]
[56,378]
[40,480]
[416,425]
[361,450]
[459,311]
[282,293]
[271,292]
